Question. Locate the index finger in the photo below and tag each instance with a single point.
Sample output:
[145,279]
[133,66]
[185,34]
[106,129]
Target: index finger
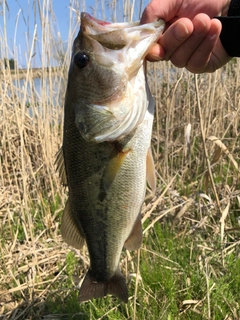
[171,40]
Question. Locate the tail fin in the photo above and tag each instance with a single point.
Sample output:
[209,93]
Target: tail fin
[95,289]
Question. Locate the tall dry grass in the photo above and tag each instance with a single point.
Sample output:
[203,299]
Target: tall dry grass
[31,196]
[195,145]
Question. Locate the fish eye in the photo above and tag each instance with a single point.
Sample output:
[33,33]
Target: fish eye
[81,60]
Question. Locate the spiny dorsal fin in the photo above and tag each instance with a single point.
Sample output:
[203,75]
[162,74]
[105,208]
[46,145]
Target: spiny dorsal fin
[70,232]
[151,176]
[134,241]
[61,166]
[92,288]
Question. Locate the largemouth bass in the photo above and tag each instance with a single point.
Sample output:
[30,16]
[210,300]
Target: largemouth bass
[106,158]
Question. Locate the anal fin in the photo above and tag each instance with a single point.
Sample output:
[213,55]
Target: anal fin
[71,233]
[151,176]
[134,241]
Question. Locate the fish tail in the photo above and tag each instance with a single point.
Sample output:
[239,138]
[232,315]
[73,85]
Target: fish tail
[92,288]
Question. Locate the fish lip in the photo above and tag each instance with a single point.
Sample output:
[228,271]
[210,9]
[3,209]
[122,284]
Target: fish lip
[120,36]
[92,28]
[87,19]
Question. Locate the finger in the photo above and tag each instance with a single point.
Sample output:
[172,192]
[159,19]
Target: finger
[156,53]
[175,36]
[201,25]
[200,60]
[218,58]
[158,9]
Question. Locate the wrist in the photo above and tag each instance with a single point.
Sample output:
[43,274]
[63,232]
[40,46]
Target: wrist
[225,8]
[231,28]
[231,8]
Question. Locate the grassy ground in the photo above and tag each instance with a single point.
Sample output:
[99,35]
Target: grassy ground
[189,264]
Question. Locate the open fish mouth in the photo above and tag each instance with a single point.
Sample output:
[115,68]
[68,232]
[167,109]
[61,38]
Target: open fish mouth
[115,36]
[108,61]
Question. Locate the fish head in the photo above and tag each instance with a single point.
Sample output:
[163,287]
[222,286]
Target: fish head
[106,82]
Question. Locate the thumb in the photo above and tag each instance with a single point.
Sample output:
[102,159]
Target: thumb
[158,9]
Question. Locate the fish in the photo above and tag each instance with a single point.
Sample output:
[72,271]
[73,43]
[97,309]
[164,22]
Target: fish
[106,156]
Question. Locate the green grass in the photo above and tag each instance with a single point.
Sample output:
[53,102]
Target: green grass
[178,276]
[182,276]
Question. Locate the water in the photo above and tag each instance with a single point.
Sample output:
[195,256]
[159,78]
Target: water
[40,96]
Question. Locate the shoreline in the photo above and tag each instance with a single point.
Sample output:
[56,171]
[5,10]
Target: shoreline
[33,72]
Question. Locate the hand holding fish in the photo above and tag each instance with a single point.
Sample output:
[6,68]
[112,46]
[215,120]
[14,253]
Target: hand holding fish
[191,39]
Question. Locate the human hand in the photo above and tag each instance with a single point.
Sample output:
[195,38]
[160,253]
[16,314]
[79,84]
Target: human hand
[191,38]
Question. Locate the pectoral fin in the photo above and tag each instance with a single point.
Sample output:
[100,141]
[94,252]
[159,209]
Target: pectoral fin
[71,233]
[61,166]
[134,241]
[151,176]
[115,162]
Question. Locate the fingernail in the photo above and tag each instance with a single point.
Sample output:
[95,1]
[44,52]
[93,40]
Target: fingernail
[200,29]
[154,57]
[181,31]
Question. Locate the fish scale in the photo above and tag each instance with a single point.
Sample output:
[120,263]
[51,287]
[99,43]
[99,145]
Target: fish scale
[106,158]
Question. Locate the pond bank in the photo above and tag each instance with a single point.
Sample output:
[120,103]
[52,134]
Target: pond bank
[33,72]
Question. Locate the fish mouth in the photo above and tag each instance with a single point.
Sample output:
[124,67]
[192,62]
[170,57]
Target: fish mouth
[87,17]
[125,43]
[117,52]
[116,36]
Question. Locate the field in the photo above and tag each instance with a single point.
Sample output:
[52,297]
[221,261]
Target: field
[189,264]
